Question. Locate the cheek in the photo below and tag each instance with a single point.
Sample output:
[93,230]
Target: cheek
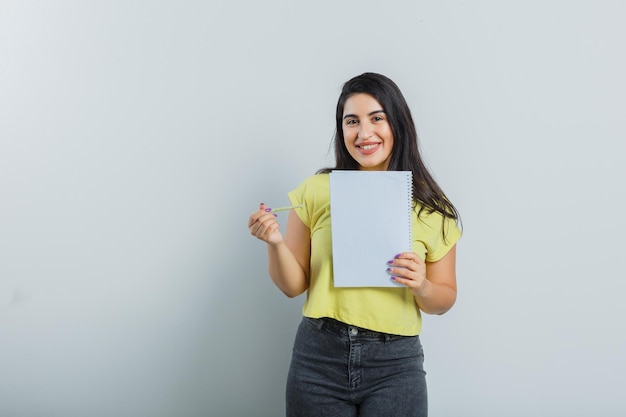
[387,132]
[348,136]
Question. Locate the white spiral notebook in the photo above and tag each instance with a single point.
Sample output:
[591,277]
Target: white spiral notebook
[370,214]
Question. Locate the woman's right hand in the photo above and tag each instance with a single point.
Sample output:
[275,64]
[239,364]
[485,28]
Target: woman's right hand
[263,225]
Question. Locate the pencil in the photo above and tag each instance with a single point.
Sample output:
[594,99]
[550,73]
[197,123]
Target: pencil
[286,208]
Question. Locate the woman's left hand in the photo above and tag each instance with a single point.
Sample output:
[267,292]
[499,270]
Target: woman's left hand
[408,269]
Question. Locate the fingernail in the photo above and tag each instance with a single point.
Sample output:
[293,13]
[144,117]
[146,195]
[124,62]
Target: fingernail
[268,209]
[388,269]
[397,256]
[392,278]
[275,215]
[390,262]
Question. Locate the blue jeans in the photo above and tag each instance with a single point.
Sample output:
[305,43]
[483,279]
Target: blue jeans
[338,370]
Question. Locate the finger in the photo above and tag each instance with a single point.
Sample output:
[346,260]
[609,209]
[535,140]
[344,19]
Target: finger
[266,234]
[258,227]
[408,260]
[269,230]
[254,216]
[403,273]
[252,220]
[255,223]
[264,222]
[259,217]
[258,230]
[401,281]
[404,265]
[408,255]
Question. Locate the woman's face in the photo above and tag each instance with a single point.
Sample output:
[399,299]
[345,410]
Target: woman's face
[366,132]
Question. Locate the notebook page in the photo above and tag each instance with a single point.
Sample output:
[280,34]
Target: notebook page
[371,222]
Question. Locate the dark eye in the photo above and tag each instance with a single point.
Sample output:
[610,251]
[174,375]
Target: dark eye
[351,121]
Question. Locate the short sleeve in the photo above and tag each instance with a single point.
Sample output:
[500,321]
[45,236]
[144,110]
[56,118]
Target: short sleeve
[434,235]
[297,197]
[314,193]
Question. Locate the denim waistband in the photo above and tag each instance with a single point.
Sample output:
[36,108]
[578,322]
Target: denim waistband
[346,330]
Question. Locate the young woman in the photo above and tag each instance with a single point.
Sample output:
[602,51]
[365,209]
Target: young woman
[357,351]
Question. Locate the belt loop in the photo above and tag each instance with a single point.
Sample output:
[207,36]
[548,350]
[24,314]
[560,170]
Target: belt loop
[318,323]
[387,338]
[322,323]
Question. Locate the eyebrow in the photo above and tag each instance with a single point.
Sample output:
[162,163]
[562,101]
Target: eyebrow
[369,114]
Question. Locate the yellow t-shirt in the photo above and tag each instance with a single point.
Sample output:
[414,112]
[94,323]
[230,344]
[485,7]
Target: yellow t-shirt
[387,310]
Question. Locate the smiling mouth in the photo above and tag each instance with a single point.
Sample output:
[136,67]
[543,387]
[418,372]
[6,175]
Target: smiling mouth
[368,148]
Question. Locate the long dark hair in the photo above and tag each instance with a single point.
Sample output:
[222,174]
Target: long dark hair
[405,155]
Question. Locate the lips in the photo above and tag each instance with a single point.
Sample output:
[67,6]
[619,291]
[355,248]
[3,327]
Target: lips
[368,148]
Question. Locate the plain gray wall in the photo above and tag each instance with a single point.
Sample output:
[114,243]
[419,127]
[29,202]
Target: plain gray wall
[137,137]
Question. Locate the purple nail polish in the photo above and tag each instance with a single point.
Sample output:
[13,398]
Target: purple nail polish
[388,269]
[275,215]
[390,262]
[393,278]
[268,209]
[397,256]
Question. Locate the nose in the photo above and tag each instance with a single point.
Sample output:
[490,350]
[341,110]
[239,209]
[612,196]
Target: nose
[365,130]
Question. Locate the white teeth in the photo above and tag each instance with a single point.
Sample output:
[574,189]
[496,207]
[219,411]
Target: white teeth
[369,146]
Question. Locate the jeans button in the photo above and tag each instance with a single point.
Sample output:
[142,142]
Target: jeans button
[353,331]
